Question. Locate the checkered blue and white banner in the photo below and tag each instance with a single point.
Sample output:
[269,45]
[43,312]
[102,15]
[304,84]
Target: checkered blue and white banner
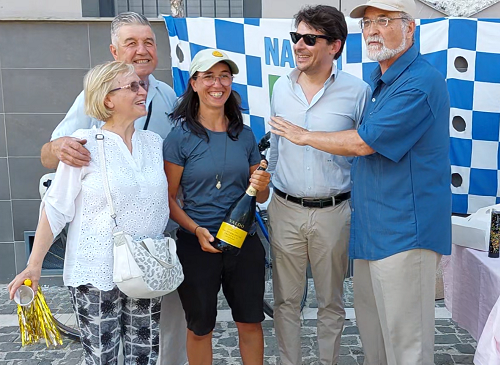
[465,51]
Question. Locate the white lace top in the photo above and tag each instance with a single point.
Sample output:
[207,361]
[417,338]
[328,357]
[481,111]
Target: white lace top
[139,191]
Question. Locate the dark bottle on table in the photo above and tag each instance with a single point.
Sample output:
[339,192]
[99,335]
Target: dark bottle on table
[238,221]
[494,234]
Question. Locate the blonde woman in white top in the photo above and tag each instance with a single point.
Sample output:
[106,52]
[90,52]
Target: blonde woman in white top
[134,163]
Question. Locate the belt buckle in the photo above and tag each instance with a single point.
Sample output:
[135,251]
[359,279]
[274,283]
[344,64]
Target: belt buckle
[312,201]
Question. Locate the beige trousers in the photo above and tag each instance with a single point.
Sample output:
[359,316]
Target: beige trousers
[320,236]
[394,304]
[172,331]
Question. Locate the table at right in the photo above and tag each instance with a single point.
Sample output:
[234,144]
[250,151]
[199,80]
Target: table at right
[471,287]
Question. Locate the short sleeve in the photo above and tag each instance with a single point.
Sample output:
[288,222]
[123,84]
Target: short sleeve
[59,201]
[75,119]
[173,150]
[254,154]
[395,128]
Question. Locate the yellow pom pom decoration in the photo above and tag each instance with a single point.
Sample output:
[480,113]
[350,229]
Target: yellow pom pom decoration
[27,282]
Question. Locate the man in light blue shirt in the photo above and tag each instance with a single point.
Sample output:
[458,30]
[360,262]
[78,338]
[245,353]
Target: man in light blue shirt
[401,217]
[309,213]
[134,42]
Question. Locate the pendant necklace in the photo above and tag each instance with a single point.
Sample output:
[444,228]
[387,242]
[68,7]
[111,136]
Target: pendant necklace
[218,185]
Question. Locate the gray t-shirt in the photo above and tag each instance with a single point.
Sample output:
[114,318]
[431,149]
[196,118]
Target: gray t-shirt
[202,162]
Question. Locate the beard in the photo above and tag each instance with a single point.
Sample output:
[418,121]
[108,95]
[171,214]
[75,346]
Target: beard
[384,53]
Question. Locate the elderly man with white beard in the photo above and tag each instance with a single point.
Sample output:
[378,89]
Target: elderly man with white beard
[401,198]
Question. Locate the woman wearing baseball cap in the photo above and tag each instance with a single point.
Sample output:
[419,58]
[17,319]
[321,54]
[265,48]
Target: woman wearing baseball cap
[211,155]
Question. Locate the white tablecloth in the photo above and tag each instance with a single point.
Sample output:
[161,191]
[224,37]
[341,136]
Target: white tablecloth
[471,287]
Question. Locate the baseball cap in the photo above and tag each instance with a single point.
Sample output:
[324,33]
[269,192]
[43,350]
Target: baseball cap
[206,58]
[406,6]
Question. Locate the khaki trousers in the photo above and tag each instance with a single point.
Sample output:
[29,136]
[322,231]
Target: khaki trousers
[320,236]
[394,304]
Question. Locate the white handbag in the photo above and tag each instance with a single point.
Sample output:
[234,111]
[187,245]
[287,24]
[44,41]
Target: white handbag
[141,269]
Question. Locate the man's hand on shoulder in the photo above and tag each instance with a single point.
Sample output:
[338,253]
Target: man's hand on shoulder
[69,150]
[290,131]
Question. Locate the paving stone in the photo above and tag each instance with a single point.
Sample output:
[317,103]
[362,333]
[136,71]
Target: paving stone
[228,342]
[220,353]
[344,350]
[356,350]
[443,359]
[19,355]
[465,348]
[446,339]
[350,331]
[463,359]
[444,329]
[347,360]
[349,340]
[361,360]
[10,346]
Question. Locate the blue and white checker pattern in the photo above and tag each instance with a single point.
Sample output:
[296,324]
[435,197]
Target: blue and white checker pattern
[474,92]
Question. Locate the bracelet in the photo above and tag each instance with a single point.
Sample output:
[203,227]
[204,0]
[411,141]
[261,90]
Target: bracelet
[196,229]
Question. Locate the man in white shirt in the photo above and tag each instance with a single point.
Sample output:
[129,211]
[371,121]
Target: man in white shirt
[132,41]
[309,213]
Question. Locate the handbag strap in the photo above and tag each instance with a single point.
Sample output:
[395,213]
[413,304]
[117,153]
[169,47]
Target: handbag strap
[104,176]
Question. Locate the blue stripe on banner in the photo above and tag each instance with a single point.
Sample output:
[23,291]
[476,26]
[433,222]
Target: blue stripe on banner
[429,21]
[485,126]
[242,90]
[462,33]
[487,67]
[439,60]
[181,28]
[460,151]
[489,20]
[483,182]
[180,80]
[416,37]
[230,36]
[254,71]
[195,48]
[353,43]
[461,93]
[460,203]
[169,22]
[252,21]
[258,125]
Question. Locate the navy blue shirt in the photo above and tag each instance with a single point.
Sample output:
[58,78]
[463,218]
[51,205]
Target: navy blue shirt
[202,162]
[401,194]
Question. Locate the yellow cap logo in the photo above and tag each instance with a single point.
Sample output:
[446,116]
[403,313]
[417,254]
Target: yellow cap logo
[217,54]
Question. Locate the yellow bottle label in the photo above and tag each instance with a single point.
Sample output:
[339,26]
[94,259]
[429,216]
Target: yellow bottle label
[233,235]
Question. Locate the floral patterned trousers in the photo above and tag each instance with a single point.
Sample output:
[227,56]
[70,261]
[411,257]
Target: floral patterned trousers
[105,317]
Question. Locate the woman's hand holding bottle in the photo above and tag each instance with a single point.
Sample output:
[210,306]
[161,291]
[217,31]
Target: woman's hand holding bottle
[204,237]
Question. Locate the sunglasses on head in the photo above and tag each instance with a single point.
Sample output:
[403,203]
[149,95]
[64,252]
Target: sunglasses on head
[309,39]
[133,86]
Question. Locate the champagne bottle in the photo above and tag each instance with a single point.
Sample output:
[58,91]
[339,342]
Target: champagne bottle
[238,221]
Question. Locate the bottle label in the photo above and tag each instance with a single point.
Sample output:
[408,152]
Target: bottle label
[232,235]
[251,191]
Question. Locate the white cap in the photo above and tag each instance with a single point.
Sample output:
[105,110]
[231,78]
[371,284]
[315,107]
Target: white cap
[405,6]
[206,58]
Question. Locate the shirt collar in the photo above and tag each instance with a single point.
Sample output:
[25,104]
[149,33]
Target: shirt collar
[397,68]
[293,76]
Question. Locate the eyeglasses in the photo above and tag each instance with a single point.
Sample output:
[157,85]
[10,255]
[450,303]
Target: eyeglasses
[381,22]
[309,39]
[133,86]
[209,80]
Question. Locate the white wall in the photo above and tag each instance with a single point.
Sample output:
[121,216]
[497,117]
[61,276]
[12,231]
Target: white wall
[40,9]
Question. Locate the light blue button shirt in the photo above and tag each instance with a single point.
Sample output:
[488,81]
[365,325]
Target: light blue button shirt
[303,171]
[161,94]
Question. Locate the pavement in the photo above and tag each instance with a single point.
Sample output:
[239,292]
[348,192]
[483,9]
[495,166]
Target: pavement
[453,345]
